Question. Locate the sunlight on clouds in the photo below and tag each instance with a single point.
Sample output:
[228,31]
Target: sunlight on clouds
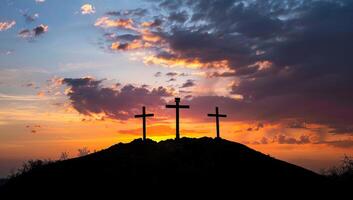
[38,97]
[7,25]
[181,62]
[87,9]
[106,22]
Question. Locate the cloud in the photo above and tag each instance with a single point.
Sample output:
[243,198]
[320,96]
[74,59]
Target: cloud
[138,12]
[30,17]
[283,139]
[39,30]
[88,97]
[339,143]
[256,128]
[35,32]
[30,85]
[155,23]
[5,25]
[171,80]
[158,74]
[87,9]
[6,97]
[341,129]
[180,16]
[171,74]
[6,52]
[106,22]
[39,1]
[188,83]
[34,128]
[290,60]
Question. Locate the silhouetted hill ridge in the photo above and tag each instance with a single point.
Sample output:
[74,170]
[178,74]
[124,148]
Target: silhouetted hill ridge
[201,164]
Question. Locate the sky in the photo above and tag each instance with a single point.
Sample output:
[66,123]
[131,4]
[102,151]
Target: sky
[74,73]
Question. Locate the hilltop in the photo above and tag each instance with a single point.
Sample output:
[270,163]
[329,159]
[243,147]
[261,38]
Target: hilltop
[187,165]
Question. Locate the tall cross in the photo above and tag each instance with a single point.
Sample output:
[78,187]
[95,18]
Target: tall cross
[143,116]
[217,115]
[177,106]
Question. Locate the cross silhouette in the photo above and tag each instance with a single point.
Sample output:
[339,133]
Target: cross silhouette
[143,116]
[177,106]
[217,115]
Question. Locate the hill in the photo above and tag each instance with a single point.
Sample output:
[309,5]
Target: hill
[187,165]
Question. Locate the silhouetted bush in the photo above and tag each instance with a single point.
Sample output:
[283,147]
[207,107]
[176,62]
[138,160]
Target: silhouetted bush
[29,166]
[83,152]
[64,156]
[343,172]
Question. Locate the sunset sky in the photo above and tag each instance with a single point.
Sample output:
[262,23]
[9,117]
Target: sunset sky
[74,73]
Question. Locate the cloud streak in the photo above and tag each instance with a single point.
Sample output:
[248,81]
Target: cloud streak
[6,25]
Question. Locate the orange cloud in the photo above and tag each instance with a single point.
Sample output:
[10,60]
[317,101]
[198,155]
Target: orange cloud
[106,22]
[146,24]
[135,44]
[182,62]
[149,36]
[41,94]
[87,9]
[147,40]
[7,25]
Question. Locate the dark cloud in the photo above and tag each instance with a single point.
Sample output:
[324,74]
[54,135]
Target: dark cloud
[337,129]
[138,12]
[308,45]
[34,128]
[39,30]
[156,23]
[158,74]
[185,91]
[179,17]
[297,125]
[283,139]
[291,59]
[339,143]
[188,83]
[171,74]
[24,33]
[274,109]
[121,37]
[174,74]
[256,128]
[171,80]
[88,96]
[35,32]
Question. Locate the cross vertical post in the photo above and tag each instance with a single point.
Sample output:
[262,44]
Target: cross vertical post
[217,115]
[177,107]
[143,116]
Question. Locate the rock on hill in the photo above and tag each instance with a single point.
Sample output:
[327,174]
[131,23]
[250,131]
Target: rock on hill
[202,165]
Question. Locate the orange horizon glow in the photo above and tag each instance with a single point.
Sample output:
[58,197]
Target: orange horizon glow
[68,131]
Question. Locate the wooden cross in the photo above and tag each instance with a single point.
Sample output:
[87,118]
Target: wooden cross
[217,115]
[143,116]
[177,106]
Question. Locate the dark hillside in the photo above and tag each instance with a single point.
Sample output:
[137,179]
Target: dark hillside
[187,165]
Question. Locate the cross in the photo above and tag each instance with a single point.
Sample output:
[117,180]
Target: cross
[143,116]
[217,115]
[177,106]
